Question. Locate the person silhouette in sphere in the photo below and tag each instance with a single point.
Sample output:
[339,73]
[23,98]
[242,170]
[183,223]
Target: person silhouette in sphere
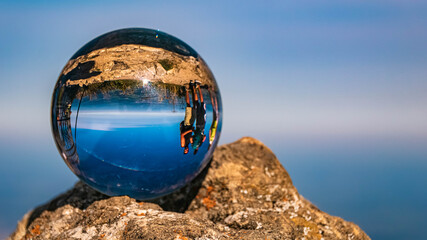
[214,125]
[186,126]
[200,107]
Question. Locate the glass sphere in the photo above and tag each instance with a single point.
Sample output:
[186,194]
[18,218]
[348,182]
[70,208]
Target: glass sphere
[136,112]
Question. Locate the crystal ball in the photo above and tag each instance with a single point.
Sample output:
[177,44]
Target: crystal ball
[136,112]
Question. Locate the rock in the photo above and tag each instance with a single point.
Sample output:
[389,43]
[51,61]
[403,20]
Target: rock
[129,60]
[244,194]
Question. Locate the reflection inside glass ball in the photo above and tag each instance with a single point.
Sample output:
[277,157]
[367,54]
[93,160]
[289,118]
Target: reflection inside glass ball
[136,112]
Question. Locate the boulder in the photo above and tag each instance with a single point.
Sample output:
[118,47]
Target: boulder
[245,193]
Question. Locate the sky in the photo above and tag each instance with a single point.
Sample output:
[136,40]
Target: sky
[305,77]
[331,69]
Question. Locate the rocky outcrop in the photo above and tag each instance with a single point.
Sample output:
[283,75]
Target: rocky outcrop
[136,62]
[244,194]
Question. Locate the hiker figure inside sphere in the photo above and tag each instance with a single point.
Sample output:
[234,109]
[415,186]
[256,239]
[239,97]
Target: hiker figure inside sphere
[186,126]
[200,107]
[214,125]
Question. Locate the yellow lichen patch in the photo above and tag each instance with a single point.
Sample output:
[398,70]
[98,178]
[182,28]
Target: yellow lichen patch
[310,228]
[207,199]
[140,214]
[141,203]
[209,189]
[36,230]
[180,235]
[208,202]
[123,214]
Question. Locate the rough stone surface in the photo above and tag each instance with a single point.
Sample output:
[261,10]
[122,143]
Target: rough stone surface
[129,61]
[244,194]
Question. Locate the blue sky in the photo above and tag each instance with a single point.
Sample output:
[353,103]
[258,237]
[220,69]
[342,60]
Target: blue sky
[330,82]
[330,69]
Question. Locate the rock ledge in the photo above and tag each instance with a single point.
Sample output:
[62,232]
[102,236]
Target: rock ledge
[244,194]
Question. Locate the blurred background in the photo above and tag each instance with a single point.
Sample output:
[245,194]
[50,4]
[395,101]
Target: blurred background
[337,89]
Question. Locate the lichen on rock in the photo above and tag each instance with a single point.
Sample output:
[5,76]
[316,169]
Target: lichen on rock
[244,194]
